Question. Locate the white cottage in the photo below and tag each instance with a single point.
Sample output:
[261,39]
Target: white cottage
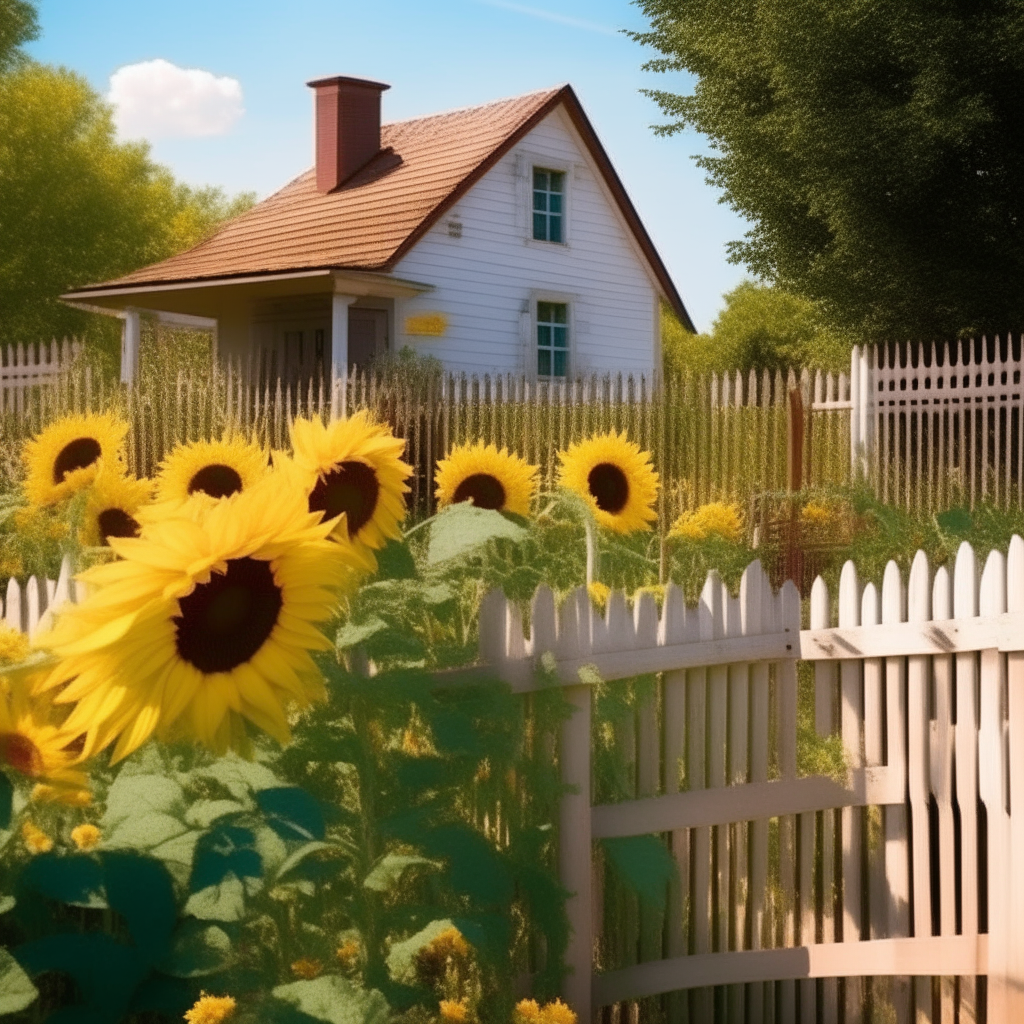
[497,238]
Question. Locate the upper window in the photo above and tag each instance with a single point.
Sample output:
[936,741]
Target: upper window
[548,204]
[552,339]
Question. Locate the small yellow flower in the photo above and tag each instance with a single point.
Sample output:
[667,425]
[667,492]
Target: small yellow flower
[528,1012]
[308,968]
[447,948]
[69,796]
[815,516]
[656,590]
[36,840]
[599,593]
[14,646]
[717,518]
[454,1012]
[86,836]
[348,953]
[211,1009]
[12,566]
[557,1013]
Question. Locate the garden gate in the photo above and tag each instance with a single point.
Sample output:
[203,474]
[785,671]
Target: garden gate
[797,897]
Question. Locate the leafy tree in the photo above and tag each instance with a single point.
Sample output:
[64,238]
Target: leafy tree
[78,206]
[761,327]
[876,147]
[18,24]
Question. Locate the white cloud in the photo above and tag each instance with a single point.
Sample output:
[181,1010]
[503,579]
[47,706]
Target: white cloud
[157,99]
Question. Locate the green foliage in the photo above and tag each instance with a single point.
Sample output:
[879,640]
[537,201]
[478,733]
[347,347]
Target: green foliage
[79,206]
[645,864]
[875,148]
[18,24]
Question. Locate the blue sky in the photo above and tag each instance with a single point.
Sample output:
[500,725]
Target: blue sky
[436,56]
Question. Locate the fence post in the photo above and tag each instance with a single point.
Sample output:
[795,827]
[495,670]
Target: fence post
[574,836]
[131,333]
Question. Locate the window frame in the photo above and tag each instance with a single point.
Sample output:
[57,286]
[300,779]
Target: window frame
[560,298]
[547,213]
[525,162]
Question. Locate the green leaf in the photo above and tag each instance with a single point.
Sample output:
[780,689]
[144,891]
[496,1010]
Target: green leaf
[140,890]
[957,521]
[388,871]
[145,832]
[133,796]
[351,635]
[402,955]
[461,528]
[644,864]
[76,879]
[16,988]
[395,562]
[335,999]
[203,813]
[197,949]
[6,800]
[291,812]
[239,777]
[297,856]
[222,902]
[7,903]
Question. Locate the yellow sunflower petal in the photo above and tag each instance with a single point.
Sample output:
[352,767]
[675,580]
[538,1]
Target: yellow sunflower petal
[615,478]
[487,477]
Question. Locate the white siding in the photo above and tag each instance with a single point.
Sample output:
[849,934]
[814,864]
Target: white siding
[487,279]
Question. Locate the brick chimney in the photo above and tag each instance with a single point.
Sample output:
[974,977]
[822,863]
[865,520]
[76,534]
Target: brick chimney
[347,127]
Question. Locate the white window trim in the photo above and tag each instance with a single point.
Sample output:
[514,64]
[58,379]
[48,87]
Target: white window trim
[525,161]
[570,300]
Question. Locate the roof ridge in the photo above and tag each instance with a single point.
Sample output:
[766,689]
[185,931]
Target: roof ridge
[551,91]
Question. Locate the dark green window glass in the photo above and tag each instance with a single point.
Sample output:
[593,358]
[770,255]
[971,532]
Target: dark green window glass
[552,339]
[548,187]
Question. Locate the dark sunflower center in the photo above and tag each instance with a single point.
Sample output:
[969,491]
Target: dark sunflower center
[609,486]
[223,623]
[20,753]
[78,454]
[216,480]
[484,490]
[115,522]
[352,488]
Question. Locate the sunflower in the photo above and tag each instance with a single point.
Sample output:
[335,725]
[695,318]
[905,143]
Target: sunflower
[33,743]
[114,502]
[353,467]
[615,478]
[487,477]
[204,625]
[214,468]
[66,456]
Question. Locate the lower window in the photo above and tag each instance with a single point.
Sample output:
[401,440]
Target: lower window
[552,339]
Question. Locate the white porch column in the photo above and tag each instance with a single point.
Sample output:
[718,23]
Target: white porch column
[339,352]
[130,335]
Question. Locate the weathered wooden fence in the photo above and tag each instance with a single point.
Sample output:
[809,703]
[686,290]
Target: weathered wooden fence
[888,895]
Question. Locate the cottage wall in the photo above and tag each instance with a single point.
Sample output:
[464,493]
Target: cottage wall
[488,280]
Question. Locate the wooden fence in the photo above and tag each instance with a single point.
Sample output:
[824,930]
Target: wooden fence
[24,370]
[888,895]
[22,607]
[940,425]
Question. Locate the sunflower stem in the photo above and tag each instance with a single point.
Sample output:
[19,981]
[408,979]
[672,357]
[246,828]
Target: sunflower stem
[593,551]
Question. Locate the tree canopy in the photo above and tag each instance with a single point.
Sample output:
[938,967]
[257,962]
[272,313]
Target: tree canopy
[876,147]
[78,206]
[761,327]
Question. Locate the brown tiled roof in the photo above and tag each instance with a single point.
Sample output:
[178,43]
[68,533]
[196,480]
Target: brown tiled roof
[376,217]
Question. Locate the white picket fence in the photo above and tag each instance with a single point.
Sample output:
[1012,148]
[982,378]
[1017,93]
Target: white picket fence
[23,368]
[802,898]
[22,607]
[943,425]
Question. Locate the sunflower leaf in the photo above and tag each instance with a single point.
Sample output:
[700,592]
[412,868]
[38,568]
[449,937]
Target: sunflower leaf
[198,948]
[351,634]
[6,800]
[222,902]
[388,871]
[16,988]
[292,813]
[336,1000]
[133,795]
[461,528]
[644,864]
[76,879]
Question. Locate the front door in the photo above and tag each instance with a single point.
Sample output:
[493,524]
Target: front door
[367,335]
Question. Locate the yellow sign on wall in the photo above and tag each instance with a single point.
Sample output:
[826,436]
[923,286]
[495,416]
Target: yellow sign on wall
[430,325]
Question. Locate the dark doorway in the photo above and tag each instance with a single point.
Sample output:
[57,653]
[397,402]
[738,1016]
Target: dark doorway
[367,335]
